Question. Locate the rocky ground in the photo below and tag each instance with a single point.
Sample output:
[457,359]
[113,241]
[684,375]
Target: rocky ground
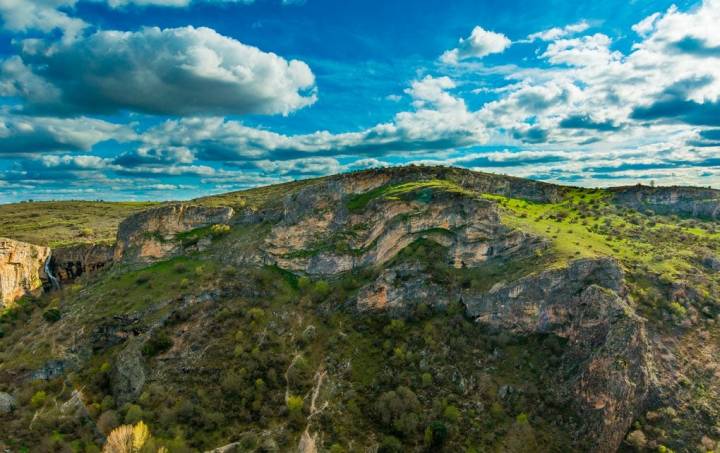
[407,309]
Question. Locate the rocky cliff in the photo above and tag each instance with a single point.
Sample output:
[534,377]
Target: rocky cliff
[21,269]
[69,263]
[683,201]
[152,235]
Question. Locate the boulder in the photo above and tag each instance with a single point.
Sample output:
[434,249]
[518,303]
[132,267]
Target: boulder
[127,377]
[7,403]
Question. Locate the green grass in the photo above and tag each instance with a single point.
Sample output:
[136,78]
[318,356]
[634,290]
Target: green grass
[396,191]
[257,197]
[61,223]
[585,224]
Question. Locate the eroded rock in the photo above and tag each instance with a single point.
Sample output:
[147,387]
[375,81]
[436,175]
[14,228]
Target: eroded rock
[7,403]
[127,377]
[69,263]
[21,269]
[606,340]
[151,235]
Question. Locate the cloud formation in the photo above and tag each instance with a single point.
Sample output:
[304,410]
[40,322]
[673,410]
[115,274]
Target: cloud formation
[43,15]
[177,71]
[479,44]
[439,121]
[559,32]
[33,135]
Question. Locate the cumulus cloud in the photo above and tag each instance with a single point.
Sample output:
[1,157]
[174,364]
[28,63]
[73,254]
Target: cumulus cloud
[439,121]
[584,51]
[42,15]
[479,44]
[558,32]
[33,135]
[178,71]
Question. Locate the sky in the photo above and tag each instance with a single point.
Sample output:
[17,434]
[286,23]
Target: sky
[173,99]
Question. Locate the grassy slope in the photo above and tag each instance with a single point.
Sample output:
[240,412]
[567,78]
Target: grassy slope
[59,223]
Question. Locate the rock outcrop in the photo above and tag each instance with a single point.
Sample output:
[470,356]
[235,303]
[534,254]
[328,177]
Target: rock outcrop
[684,201]
[21,269]
[7,403]
[320,236]
[607,345]
[152,235]
[127,377]
[69,263]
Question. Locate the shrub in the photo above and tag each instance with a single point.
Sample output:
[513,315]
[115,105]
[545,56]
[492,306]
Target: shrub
[219,229]
[134,414]
[158,343]
[677,309]
[295,404]
[127,439]
[107,421]
[398,409]
[427,379]
[51,315]
[435,435]
[38,399]
[451,414]
[390,444]
[637,439]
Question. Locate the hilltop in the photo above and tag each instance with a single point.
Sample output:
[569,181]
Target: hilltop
[402,309]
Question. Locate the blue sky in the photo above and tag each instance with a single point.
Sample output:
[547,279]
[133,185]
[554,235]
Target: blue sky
[171,99]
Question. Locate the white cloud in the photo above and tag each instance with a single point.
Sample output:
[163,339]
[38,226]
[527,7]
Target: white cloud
[33,135]
[42,15]
[174,71]
[558,32]
[480,43]
[645,26]
[439,121]
[584,51]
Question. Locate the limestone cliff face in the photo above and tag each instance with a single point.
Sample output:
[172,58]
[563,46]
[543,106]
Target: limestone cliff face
[151,235]
[608,349]
[69,263]
[684,201]
[320,236]
[21,269]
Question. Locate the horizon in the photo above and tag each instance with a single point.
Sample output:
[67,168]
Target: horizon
[648,184]
[139,100]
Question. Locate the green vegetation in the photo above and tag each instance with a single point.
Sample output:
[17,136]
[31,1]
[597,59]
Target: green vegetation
[62,223]
[231,350]
[394,192]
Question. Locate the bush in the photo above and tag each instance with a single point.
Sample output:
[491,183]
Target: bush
[390,444]
[158,343]
[451,414]
[398,410]
[107,421]
[38,399]
[295,404]
[219,229]
[134,414]
[435,435]
[677,309]
[637,439]
[51,315]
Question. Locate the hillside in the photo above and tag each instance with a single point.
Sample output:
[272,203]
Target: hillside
[57,223]
[403,309]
